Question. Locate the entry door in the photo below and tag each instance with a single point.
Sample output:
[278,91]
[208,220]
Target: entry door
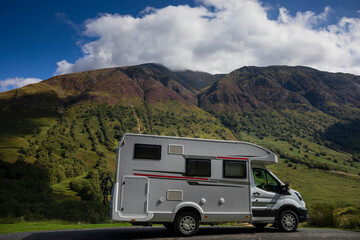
[264,197]
[134,195]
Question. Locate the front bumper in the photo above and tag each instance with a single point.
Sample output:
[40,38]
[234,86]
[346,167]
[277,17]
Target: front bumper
[303,215]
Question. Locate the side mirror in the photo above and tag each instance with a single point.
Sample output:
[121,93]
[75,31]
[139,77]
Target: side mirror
[286,187]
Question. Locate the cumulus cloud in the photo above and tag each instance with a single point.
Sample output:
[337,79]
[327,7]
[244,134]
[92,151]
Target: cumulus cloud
[16,82]
[219,36]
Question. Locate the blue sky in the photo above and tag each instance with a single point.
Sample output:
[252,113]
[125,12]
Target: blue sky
[41,38]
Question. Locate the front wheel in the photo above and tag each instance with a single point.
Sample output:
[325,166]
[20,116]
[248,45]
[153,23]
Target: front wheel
[186,224]
[288,221]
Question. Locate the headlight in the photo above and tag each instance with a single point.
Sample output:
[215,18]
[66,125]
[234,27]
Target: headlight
[299,196]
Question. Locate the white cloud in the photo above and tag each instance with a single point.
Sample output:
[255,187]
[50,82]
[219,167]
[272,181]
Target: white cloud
[16,82]
[65,67]
[220,36]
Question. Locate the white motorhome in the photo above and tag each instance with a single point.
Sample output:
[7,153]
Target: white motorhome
[181,182]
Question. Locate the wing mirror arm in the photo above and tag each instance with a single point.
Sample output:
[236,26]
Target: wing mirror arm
[286,187]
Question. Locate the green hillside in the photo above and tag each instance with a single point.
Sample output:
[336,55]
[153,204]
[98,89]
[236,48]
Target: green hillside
[59,137]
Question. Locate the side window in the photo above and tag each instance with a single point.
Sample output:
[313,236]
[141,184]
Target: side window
[259,178]
[265,181]
[234,169]
[198,167]
[147,151]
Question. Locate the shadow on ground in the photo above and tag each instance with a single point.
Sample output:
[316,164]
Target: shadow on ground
[144,233]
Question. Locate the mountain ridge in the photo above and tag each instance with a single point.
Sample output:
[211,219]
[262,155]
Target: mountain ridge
[292,82]
[300,85]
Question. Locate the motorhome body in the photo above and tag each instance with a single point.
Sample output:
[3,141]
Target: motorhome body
[183,181]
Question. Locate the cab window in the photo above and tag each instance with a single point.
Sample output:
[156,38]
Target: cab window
[265,181]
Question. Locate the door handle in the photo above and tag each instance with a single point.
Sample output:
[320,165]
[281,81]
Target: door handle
[256,194]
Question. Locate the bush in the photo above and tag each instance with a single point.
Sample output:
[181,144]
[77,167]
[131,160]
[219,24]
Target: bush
[87,189]
[90,191]
[25,190]
[76,185]
[350,222]
[93,174]
[80,211]
[322,215]
[327,215]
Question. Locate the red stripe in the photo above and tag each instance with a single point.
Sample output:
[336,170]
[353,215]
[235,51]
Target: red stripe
[233,158]
[174,177]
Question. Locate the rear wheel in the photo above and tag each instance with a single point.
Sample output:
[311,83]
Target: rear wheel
[288,221]
[186,224]
[259,225]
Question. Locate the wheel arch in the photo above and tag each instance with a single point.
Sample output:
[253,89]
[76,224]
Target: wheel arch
[287,207]
[191,207]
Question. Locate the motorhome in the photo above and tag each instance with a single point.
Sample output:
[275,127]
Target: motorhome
[182,182]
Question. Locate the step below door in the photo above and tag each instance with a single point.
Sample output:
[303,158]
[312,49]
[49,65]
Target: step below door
[134,196]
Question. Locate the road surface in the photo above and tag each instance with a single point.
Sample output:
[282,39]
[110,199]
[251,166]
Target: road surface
[162,233]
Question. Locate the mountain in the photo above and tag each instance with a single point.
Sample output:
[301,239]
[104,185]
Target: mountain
[281,87]
[317,103]
[61,134]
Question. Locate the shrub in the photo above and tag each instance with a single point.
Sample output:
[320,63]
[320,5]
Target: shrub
[18,196]
[350,222]
[76,185]
[322,215]
[80,211]
[93,174]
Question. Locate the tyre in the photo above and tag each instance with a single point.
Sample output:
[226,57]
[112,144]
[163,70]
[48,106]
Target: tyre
[186,224]
[288,221]
[260,225]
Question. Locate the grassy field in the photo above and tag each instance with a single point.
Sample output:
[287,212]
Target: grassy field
[52,225]
[319,186]
[315,185]
[62,190]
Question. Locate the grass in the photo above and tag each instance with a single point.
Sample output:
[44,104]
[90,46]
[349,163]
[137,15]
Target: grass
[16,130]
[62,190]
[312,151]
[319,186]
[316,186]
[52,225]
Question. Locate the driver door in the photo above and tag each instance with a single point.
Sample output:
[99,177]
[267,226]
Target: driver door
[265,196]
